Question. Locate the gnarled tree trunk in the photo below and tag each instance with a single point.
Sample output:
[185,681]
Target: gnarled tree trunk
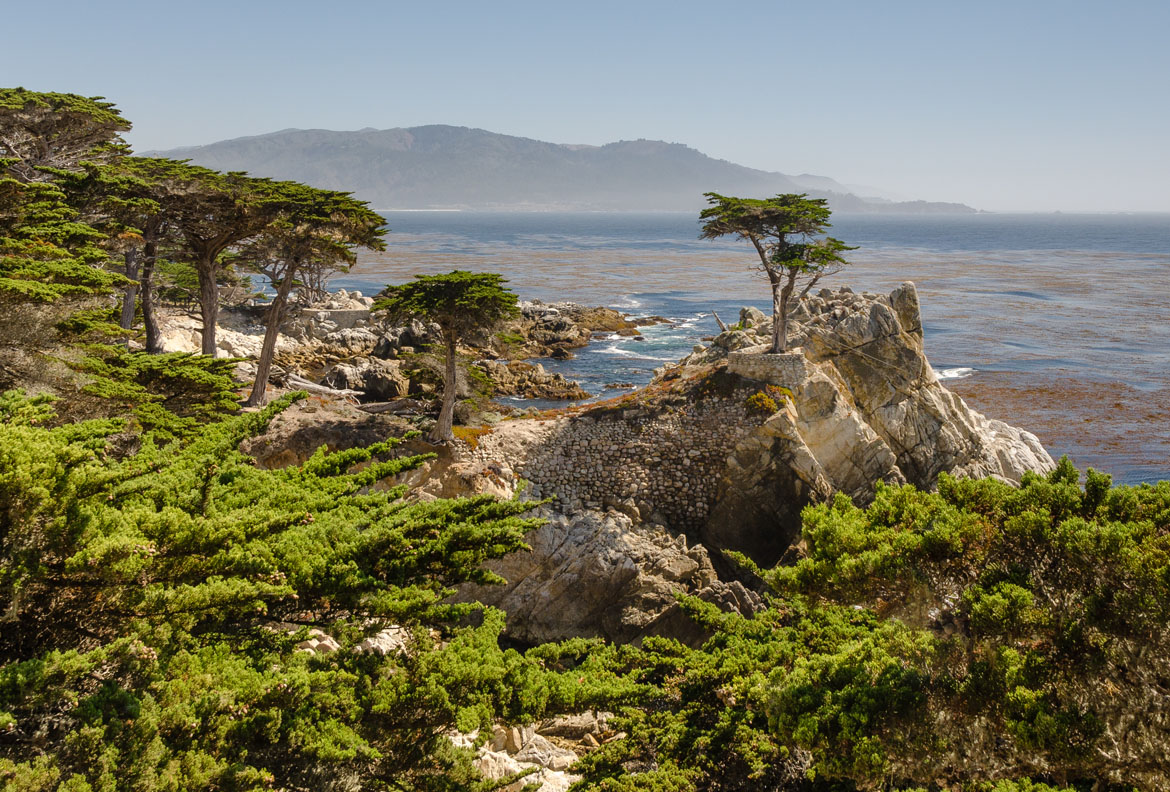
[130,295]
[442,433]
[208,302]
[146,285]
[781,294]
[272,320]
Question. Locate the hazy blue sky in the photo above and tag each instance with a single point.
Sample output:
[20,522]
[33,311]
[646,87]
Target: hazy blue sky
[1031,105]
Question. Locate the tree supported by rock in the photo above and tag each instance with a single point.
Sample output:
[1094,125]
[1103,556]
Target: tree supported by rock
[785,232]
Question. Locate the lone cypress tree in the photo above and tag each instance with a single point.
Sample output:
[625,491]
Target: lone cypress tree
[783,230]
[460,302]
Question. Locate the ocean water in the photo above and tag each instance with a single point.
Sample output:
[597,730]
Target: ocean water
[1058,323]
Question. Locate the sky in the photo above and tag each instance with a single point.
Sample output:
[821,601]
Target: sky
[1028,105]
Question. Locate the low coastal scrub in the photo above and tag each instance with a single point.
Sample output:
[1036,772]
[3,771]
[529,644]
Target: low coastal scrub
[154,604]
[971,636]
[981,634]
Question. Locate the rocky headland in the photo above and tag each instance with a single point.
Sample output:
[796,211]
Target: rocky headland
[641,495]
[646,491]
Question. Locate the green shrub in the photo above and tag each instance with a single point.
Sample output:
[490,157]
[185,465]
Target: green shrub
[931,639]
[141,593]
[509,338]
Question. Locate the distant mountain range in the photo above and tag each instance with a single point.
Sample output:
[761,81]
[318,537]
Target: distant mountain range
[447,167]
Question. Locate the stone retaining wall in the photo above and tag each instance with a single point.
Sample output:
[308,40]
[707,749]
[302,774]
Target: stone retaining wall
[786,369]
[663,467]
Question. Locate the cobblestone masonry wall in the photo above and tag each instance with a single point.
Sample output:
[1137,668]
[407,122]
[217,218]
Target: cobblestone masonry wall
[667,466]
[788,369]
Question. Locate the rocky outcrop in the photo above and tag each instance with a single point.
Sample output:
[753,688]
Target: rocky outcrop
[728,447]
[521,378]
[547,751]
[555,329]
[602,573]
[297,432]
[720,452]
[341,344]
[866,406]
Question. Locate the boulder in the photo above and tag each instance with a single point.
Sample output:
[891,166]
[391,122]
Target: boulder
[347,376]
[601,574]
[866,407]
[413,334]
[495,765]
[575,727]
[539,751]
[393,640]
[353,340]
[384,380]
[556,330]
[754,318]
[734,339]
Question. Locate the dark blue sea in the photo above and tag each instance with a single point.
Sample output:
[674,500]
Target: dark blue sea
[1057,323]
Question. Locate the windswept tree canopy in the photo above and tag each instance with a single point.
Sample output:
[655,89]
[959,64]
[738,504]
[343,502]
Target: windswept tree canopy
[40,132]
[313,228]
[460,302]
[785,232]
[314,234]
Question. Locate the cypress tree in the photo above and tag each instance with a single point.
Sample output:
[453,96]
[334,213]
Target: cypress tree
[460,302]
[316,231]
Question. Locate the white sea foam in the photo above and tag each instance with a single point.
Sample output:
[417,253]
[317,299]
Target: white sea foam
[953,373]
[692,321]
[627,302]
[635,353]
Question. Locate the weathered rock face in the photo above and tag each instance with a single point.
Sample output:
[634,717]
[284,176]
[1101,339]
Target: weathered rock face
[865,407]
[600,573]
[520,378]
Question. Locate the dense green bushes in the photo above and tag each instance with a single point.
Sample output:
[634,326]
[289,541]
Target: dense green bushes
[980,634]
[139,594]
